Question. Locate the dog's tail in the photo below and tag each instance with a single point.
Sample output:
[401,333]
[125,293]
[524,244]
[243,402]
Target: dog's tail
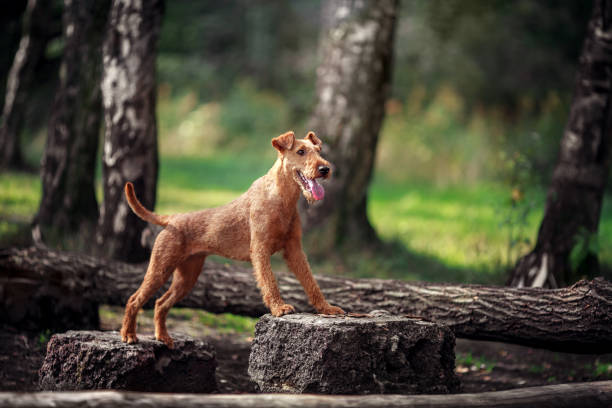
[140,210]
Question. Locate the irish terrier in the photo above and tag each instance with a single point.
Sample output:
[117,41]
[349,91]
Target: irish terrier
[260,222]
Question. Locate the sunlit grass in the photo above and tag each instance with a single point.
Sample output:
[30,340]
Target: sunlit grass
[428,196]
[19,194]
[193,183]
[173,200]
[462,227]
[191,320]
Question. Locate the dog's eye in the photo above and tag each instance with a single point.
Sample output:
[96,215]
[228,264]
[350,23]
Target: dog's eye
[300,152]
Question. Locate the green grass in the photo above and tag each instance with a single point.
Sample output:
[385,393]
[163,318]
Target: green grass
[192,183]
[223,322]
[603,369]
[462,227]
[478,363]
[111,317]
[438,233]
[19,196]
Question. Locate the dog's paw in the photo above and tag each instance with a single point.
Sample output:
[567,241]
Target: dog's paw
[330,310]
[166,339]
[282,310]
[129,338]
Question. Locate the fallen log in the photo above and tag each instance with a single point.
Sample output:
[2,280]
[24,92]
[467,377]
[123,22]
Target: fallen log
[585,395]
[575,319]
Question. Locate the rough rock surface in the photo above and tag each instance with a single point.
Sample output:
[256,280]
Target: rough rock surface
[376,353]
[86,360]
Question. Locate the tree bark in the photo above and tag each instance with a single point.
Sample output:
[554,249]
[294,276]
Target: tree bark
[353,83]
[576,319]
[130,139]
[38,28]
[586,395]
[68,204]
[566,243]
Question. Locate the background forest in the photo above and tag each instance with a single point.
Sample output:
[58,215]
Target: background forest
[480,97]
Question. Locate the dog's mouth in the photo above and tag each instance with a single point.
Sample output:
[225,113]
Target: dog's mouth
[312,186]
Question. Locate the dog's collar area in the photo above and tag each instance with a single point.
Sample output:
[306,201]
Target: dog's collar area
[312,186]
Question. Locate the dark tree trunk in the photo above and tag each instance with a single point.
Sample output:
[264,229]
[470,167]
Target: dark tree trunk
[130,139]
[68,202]
[564,250]
[353,83]
[38,28]
[577,319]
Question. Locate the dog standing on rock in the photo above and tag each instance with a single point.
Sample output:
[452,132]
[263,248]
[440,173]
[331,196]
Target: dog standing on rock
[259,223]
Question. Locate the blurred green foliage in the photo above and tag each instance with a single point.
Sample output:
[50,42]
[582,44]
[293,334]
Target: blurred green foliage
[480,97]
[481,88]
[209,46]
[494,52]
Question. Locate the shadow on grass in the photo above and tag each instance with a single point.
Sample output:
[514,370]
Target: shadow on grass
[14,232]
[392,260]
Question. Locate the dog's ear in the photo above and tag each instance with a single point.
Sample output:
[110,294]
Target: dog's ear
[284,141]
[314,139]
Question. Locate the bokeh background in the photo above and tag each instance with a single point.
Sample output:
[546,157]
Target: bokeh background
[480,97]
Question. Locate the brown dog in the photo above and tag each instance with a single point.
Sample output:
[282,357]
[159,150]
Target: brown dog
[260,222]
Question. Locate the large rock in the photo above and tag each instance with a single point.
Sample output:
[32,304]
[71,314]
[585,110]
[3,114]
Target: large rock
[86,360]
[380,353]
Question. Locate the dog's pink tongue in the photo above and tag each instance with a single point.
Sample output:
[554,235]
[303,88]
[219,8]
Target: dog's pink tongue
[317,190]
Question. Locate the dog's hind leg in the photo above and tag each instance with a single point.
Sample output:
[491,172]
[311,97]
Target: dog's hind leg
[185,278]
[166,255]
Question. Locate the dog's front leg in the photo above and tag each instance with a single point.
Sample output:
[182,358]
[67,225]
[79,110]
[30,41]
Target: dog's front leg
[298,264]
[266,282]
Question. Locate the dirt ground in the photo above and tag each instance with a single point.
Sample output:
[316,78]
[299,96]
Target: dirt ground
[481,366]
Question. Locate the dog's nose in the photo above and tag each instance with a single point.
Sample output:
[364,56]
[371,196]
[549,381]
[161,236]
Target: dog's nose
[323,170]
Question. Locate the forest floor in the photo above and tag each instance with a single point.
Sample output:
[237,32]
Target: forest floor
[480,365]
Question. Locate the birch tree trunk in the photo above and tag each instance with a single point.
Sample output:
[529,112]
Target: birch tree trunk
[566,244]
[68,203]
[353,82]
[130,139]
[37,31]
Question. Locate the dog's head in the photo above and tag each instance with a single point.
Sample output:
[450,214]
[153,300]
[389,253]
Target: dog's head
[302,159]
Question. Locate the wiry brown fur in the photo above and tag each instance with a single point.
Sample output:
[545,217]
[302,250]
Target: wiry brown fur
[260,222]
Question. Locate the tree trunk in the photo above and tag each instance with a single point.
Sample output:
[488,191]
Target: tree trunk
[68,204]
[566,244]
[585,395]
[576,319]
[353,83]
[130,139]
[37,31]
